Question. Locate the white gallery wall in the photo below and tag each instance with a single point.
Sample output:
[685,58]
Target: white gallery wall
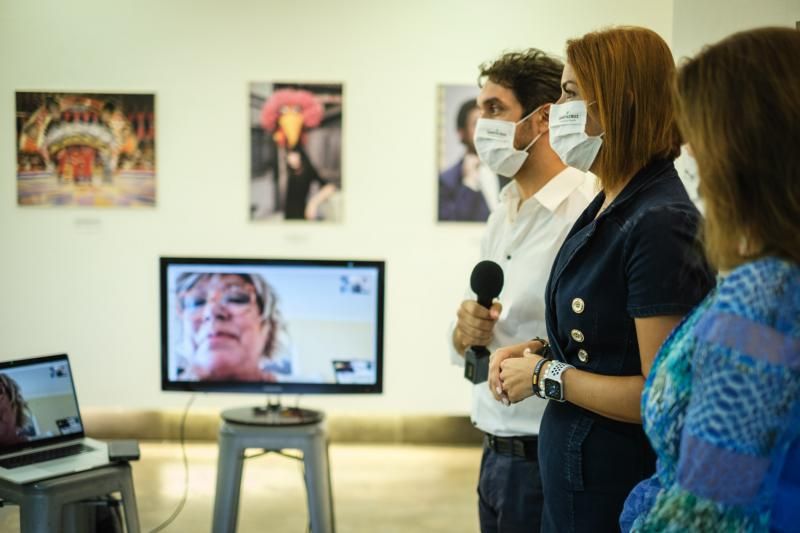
[84,280]
[699,22]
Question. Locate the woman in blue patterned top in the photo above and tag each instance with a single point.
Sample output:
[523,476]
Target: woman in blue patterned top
[721,405]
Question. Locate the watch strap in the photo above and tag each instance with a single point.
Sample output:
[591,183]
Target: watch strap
[554,372]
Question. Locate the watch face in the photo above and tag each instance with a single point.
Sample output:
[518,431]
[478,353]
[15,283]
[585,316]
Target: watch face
[552,389]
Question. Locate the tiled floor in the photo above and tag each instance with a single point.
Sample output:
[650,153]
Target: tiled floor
[376,488]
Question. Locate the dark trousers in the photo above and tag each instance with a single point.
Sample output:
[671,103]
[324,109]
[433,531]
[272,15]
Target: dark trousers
[509,493]
[589,466]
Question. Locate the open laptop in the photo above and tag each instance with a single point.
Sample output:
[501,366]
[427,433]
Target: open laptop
[41,431]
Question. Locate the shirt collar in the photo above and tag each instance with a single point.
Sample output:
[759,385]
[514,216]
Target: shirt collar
[552,194]
[509,192]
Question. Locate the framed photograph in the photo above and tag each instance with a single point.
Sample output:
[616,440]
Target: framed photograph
[296,151]
[467,190]
[86,149]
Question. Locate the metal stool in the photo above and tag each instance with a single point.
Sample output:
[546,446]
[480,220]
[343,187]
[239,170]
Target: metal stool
[245,428]
[44,504]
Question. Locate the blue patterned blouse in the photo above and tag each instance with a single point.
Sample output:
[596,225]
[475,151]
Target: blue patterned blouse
[721,407]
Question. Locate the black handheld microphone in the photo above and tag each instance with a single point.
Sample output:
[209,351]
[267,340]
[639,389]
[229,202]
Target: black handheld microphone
[487,282]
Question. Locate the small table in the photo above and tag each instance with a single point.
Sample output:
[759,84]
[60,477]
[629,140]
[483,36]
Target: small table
[43,504]
[273,428]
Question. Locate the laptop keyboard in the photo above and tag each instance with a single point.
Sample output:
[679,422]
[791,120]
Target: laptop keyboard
[45,455]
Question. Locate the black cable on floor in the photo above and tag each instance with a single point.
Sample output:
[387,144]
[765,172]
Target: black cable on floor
[181,503]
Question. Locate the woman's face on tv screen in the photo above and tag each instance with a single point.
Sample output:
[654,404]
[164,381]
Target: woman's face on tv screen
[222,317]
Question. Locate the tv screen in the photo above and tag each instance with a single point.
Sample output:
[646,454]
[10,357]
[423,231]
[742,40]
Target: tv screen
[271,325]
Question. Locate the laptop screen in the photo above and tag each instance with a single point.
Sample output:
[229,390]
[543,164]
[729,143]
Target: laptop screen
[37,403]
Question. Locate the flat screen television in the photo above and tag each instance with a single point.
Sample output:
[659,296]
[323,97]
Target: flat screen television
[273,326]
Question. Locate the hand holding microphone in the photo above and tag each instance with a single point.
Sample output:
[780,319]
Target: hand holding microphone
[475,325]
[476,320]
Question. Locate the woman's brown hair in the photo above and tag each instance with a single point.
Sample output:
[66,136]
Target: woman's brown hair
[628,71]
[10,389]
[738,106]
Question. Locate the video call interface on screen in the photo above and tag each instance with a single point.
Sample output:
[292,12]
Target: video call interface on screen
[37,402]
[271,323]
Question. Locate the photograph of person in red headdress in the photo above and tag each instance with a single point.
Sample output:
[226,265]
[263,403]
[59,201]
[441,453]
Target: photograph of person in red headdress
[295,165]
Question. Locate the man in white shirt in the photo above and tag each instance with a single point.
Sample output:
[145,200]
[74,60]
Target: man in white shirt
[523,235]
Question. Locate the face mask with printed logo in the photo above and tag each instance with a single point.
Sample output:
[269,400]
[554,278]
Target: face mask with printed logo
[494,142]
[568,137]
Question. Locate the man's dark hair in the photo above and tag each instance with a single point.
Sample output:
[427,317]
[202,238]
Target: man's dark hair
[463,113]
[533,76]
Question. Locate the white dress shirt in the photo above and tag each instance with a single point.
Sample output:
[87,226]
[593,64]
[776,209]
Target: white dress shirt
[490,186]
[524,240]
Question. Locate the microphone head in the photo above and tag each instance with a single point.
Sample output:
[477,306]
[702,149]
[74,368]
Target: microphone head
[486,281]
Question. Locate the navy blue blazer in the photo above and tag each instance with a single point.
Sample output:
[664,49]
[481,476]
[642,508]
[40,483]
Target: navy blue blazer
[639,258]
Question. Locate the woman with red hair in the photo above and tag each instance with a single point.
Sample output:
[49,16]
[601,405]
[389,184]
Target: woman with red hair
[625,276]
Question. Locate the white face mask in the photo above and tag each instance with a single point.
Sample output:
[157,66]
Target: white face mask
[494,142]
[568,137]
[686,165]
